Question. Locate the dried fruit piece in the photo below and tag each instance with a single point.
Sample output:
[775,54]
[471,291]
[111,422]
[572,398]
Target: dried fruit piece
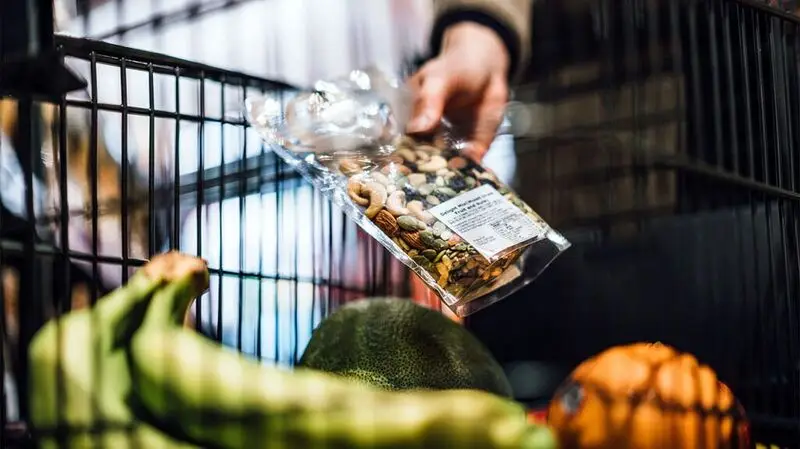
[393,168]
[447,262]
[457,163]
[454,241]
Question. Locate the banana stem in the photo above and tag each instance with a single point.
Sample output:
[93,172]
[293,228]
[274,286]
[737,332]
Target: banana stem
[188,278]
[169,304]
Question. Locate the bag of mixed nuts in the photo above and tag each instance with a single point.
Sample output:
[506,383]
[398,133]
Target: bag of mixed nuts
[448,218]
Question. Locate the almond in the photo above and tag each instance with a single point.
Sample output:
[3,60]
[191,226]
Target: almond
[386,222]
[413,240]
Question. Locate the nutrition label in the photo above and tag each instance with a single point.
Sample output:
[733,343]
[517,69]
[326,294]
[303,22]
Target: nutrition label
[487,220]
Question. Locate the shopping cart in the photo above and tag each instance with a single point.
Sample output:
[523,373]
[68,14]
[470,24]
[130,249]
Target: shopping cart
[665,147]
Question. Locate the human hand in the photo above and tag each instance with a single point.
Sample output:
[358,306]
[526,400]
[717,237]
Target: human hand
[468,82]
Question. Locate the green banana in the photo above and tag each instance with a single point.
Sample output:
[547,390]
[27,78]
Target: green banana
[220,399]
[93,386]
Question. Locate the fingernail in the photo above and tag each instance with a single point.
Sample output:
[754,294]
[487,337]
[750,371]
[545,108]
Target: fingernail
[421,123]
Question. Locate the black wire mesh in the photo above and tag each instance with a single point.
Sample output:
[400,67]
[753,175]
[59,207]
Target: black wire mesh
[663,139]
[153,152]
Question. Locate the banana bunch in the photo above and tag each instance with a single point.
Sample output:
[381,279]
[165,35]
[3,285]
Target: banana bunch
[80,382]
[170,386]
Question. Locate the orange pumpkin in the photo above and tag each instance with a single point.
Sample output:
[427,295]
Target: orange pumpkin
[646,396]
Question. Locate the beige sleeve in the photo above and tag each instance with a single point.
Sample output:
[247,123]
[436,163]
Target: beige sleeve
[514,15]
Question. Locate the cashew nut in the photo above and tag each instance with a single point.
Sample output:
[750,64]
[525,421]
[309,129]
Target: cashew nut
[422,156]
[417,209]
[349,167]
[436,163]
[377,198]
[407,154]
[380,177]
[396,203]
[404,141]
[355,189]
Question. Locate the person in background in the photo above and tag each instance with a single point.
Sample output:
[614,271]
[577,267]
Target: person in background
[481,46]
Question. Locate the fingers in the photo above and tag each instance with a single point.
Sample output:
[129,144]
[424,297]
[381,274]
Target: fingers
[488,120]
[488,117]
[432,93]
[482,103]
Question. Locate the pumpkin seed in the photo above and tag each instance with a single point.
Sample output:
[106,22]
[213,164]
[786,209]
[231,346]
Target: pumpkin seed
[427,239]
[430,254]
[408,223]
[447,191]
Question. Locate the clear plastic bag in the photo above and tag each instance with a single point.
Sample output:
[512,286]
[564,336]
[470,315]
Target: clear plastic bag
[449,219]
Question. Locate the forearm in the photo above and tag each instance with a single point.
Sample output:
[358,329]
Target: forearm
[511,19]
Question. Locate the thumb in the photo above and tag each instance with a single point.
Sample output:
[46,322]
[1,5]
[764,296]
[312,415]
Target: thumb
[429,103]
